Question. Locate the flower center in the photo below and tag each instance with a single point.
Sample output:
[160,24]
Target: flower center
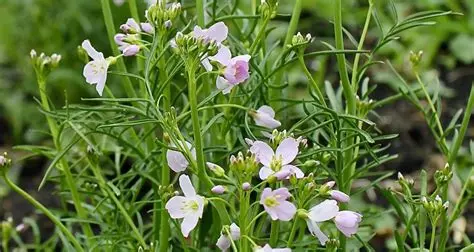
[191,205]
[271,201]
[276,163]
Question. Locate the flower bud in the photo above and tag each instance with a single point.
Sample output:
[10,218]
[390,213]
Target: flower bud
[168,24]
[119,38]
[216,169]
[302,213]
[218,189]
[147,28]
[131,50]
[246,186]
[311,164]
[339,196]
[33,54]
[330,184]
[415,58]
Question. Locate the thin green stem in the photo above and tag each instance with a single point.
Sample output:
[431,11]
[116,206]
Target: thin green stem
[274,233]
[109,24]
[244,204]
[261,33]
[355,68]
[292,232]
[433,109]
[311,79]
[433,236]
[200,14]
[44,210]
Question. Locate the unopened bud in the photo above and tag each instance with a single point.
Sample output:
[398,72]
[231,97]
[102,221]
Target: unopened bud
[246,186]
[216,169]
[339,196]
[218,189]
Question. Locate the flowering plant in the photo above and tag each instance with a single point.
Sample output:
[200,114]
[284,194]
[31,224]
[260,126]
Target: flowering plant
[207,149]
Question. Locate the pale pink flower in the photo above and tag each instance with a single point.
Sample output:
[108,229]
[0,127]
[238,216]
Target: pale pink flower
[348,222]
[236,69]
[147,28]
[339,196]
[131,26]
[188,207]
[265,117]
[324,211]
[267,248]
[95,71]
[224,242]
[176,159]
[279,160]
[276,204]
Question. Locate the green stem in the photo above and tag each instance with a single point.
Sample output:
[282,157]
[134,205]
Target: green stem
[106,189]
[311,79]
[109,24]
[244,204]
[53,127]
[292,232]
[164,231]
[433,109]
[355,68]
[201,18]
[433,236]
[274,233]
[46,212]
[261,33]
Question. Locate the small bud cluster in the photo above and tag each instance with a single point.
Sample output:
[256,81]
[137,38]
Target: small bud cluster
[415,58]
[245,166]
[443,176]
[193,47]
[162,17]
[434,207]
[268,8]
[44,64]
[5,162]
[300,42]
[364,106]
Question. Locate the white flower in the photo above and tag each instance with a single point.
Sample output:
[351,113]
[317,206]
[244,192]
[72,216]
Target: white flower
[265,117]
[324,211]
[95,71]
[176,159]
[278,161]
[189,208]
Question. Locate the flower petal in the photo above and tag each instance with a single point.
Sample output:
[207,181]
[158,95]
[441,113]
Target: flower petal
[288,149]
[223,85]
[175,207]
[316,231]
[324,211]
[266,110]
[285,211]
[186,186]
[294,170]
[265,152]
[265,172]
[91,51]
[218,32]
[189,223]
[223,243]
[101,84]
[176,161]
[222,56]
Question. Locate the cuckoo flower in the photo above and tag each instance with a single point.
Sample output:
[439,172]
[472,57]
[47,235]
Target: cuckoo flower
[224,241]
[95,71]
[324,211]
[348,222]
[276,204]
[176,159]
[188,207]
[235,71]
[278,161]
[267,248]
[218,33]
[265,117]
